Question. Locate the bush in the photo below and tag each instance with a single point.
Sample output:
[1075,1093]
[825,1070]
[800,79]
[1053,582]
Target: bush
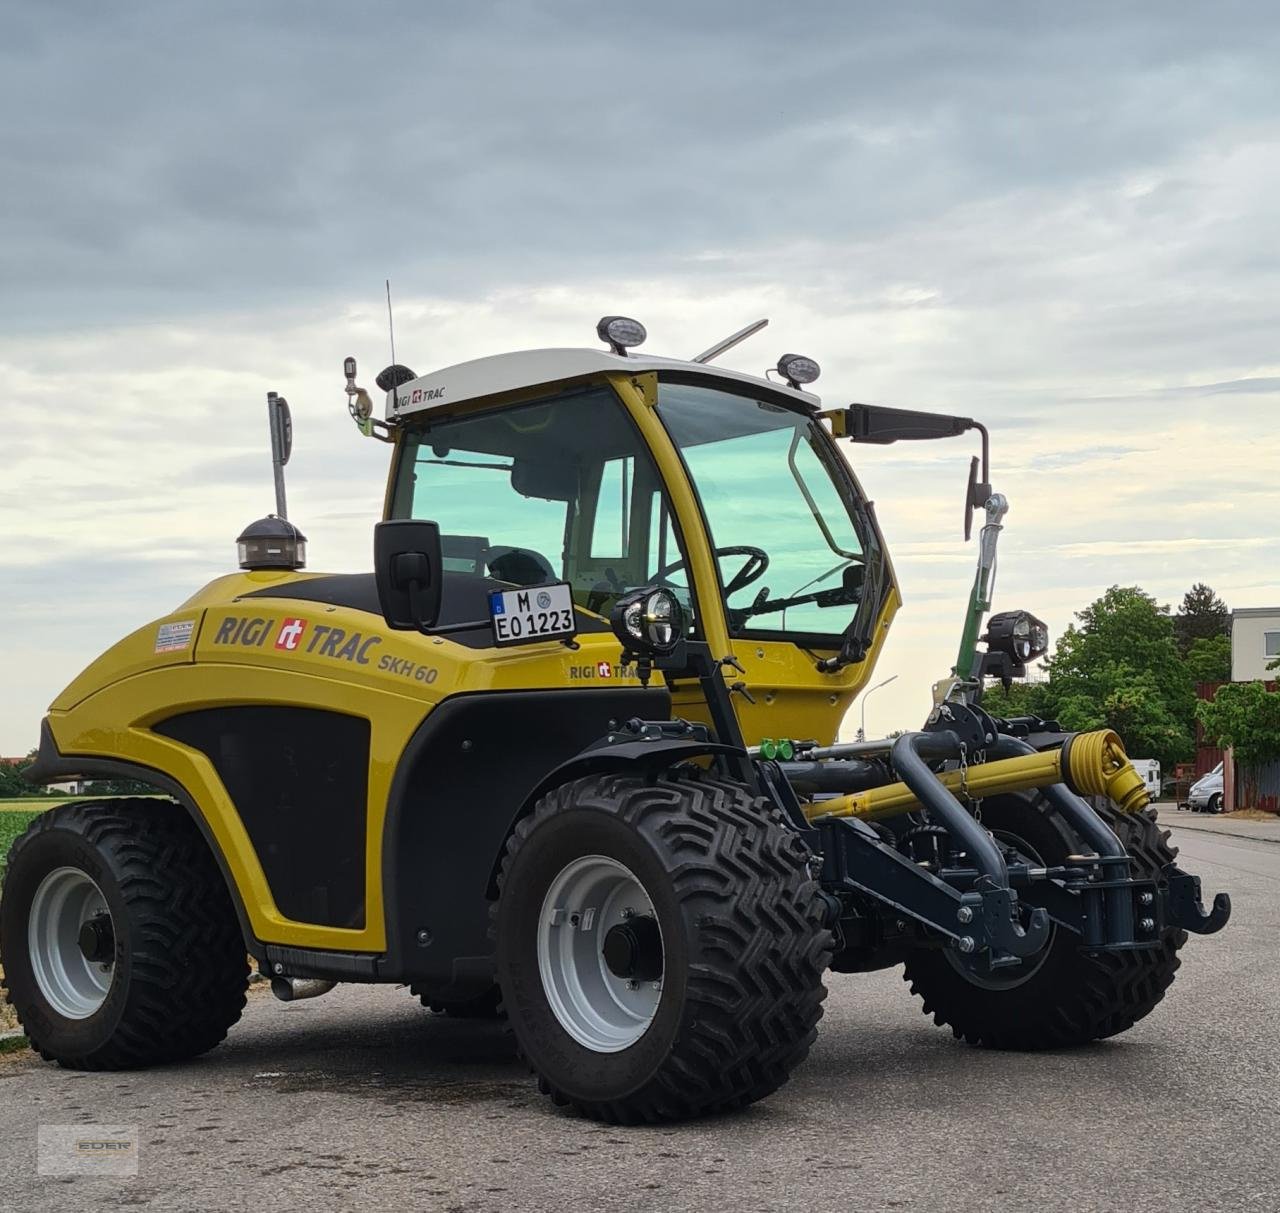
[1246,717]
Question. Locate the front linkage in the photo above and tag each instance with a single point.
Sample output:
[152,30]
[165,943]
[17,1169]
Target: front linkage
[928,873]
[905,860]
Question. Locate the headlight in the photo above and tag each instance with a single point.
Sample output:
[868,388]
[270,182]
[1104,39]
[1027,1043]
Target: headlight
[648,621]
[1019,634]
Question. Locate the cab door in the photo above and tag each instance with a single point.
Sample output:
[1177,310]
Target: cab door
[780,691]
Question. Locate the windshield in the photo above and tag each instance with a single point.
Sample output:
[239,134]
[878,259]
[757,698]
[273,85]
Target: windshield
[558,490]
[796,549]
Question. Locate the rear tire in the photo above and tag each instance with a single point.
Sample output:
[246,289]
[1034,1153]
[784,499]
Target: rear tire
[705,992]
[160,973]
[1070,997]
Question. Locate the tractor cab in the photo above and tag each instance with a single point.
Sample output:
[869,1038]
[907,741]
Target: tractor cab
[610,472]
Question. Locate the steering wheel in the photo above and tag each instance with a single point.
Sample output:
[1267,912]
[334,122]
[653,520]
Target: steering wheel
[753,570]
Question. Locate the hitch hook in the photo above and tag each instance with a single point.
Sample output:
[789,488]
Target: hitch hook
[1185,907]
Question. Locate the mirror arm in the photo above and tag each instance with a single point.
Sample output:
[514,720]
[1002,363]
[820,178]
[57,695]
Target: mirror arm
[881,425]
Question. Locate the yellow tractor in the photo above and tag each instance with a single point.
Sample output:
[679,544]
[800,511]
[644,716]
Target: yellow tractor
[569,755]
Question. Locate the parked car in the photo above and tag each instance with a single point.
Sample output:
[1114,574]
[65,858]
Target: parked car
[1206,793]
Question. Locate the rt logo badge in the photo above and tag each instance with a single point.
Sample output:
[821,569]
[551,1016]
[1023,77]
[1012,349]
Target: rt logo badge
[544,600]
[291,632]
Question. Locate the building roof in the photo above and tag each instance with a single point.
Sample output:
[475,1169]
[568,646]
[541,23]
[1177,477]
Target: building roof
[1248,611]
[531,368]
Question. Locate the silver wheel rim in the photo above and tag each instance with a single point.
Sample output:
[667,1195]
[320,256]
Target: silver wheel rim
[73,985]
[601,1010]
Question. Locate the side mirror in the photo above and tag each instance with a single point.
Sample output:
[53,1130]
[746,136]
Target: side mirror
[975,496]
[407,569]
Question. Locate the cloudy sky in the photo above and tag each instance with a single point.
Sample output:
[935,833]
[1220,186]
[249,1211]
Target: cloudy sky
[1059,218]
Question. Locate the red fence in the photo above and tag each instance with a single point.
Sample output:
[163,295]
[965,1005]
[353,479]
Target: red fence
[1258,787]
[1207,756]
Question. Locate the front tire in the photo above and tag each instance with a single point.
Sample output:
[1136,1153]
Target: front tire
[1214,805]
[1068,997]
[119,940]
[660,946]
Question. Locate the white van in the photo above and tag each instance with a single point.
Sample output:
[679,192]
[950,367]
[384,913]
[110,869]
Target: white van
[1149,769]
[1206,792]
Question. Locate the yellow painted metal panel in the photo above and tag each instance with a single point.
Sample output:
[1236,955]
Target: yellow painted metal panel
[266,651]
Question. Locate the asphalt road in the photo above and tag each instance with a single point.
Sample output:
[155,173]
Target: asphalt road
[363,1099]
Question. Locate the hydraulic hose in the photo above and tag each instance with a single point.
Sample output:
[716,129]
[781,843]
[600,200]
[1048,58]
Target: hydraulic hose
[810,775]
[908,758]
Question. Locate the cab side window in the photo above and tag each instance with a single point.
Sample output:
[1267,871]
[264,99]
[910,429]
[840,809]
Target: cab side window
[557,490]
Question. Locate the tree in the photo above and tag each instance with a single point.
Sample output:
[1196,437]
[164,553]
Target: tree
[1021,699]
[1120,668]
[1245,716]
[12,783]
[1209,659]
[1204,616]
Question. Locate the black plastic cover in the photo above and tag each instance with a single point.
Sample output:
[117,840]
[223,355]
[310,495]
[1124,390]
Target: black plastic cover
[298,778]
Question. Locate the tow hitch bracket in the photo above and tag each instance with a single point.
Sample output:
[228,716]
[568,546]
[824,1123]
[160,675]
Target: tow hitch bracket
[981,921]
[1185,908]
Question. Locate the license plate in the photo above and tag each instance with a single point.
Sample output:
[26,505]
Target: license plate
[541,612]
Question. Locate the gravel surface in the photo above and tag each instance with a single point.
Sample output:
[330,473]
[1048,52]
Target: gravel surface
[362,1098]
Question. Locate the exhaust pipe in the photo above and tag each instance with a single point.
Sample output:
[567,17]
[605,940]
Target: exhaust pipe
[295,989]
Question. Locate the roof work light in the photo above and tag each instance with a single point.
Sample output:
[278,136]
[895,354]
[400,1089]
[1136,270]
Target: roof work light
[621,333]
[797,369]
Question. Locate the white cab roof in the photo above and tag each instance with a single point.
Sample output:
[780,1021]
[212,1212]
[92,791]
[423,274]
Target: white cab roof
[531,368]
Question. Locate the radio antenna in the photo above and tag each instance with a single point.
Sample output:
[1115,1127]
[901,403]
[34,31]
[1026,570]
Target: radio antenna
[391,324]
[729,342]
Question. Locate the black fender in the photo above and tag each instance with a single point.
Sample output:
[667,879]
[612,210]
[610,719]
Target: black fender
[474,766]
[651,756]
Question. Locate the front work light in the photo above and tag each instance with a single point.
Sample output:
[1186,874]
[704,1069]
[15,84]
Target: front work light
[621,333]
[797,369]
[648,621]
[1018,633]
[1013,638]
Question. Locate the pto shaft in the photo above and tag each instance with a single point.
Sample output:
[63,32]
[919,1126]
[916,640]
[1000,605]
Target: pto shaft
[1091,764]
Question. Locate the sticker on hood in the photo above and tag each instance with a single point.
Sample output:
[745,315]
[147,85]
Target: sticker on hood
[172,637]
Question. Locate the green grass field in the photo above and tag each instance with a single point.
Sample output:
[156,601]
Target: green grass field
[12,823]
[15,816]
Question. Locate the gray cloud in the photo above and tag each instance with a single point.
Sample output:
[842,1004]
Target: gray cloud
[244,156]
[1060,220]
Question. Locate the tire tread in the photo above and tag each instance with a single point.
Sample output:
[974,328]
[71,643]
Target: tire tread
[1111,991]
[754,995]
[189,970]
